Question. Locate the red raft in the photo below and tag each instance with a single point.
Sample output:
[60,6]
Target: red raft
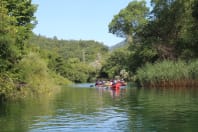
[117,85]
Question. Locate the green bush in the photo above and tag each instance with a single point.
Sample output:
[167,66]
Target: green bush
[6,86]
[33,71]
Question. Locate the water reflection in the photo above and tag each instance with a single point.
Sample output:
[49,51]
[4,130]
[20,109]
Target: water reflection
[91,109]
[18,116]
[115,93]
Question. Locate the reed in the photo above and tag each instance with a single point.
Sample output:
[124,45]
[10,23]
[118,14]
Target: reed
[169,74]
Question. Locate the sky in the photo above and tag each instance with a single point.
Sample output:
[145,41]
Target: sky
[78,19]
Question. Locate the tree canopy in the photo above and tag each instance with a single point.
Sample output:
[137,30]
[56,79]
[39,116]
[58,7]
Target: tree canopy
[168,31]
[129,20]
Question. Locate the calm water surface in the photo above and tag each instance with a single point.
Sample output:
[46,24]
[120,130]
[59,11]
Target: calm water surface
[81,108]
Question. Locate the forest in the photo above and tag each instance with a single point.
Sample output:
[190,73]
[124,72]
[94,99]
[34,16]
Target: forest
[160,49]
[162,42]
[79,61]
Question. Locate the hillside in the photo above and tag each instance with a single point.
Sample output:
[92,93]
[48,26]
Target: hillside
[87,51]
[118,45]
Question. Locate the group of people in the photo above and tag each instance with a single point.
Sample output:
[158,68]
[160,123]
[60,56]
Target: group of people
[113,84]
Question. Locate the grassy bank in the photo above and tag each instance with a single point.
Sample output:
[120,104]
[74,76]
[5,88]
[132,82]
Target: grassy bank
[169,74]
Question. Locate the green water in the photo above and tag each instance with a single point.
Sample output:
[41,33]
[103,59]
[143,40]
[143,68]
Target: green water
[89,109]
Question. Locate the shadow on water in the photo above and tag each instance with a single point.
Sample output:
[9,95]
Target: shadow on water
[84,108]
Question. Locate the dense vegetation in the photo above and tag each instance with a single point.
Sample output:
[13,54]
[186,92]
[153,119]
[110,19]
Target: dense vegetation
[169,74]
[24,69]
[165,34]
[163,38]
[33,65]
[79,61]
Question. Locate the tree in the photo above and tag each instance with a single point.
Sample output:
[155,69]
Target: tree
[172,29]
[195,10]
[129,20]
[16,21]
[117,61]
[8,49]
[23,11]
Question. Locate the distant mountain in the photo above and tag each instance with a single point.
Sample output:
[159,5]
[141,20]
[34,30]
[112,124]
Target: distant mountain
[118,45]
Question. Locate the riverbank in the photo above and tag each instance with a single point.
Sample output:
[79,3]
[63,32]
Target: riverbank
[169,74]
[30,79]
[49,86]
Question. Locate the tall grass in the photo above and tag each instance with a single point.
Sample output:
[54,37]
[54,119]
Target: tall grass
[169,74]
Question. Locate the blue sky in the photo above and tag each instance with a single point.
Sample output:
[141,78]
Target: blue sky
[78,19]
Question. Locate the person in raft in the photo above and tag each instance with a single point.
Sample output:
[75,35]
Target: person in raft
[116,85]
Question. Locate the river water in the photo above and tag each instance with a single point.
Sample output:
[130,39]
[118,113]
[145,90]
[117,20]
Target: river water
[81,108]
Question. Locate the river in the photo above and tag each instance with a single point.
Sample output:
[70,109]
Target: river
[81,108]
